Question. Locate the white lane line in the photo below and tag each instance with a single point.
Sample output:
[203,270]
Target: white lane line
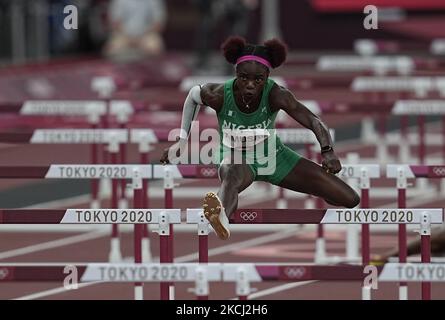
[53,244]
[51,292]
[286,233]
[280,288]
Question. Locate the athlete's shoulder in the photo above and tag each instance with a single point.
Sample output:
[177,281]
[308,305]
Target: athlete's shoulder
[212,94]
[279,96]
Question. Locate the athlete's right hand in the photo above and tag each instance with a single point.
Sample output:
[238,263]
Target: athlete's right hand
[174,150]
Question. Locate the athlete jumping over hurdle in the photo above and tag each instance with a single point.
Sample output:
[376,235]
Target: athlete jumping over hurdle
[250,103]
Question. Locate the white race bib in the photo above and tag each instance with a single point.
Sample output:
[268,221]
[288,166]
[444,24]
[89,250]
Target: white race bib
[244,139]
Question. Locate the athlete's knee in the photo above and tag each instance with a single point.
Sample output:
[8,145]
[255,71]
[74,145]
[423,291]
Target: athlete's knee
[232,176]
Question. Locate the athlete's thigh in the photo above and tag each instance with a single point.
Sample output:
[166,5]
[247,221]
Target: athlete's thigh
[308,177]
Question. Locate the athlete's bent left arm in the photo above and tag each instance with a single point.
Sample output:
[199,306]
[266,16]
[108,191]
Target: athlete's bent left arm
[285,100]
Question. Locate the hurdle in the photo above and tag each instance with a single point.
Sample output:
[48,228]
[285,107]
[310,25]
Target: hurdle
[110,137]
[136,216]
[114,172]
[419,108]
[381,65]
[95,112]
[423,88]
[422,217]
[369,47]
[169,173]
[242,274]
[363,173]
[401,173]
[113,138]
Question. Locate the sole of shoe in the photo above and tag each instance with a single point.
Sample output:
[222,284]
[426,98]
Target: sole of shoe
[212,208]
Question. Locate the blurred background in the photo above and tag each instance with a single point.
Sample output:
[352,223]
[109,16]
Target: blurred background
[33,30]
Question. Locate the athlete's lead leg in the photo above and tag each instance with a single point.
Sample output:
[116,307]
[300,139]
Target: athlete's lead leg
[310,178]
[218,207]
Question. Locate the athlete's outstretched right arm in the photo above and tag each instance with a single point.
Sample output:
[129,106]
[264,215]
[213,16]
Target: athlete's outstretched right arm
[211,95]
[190,111]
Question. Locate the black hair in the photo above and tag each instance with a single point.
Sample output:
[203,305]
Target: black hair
[274,50]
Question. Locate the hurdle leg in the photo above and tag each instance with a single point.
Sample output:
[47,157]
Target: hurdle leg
[203,248]
[168,198]
[171,285]
[164,230]
[353,231]
[425,234]
[146,249]
[95,203]
[115,253]
[320,243]
[201,289]
[309,202]
[123,203]
[401,198]
[201,284]
[366,290]
[242,284]
[138,232]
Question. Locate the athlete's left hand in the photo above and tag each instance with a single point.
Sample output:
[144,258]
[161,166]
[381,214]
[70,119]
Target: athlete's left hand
[330,162]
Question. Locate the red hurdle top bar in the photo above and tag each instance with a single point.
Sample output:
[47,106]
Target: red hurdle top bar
[425,171]
[36,273]
[416,171]
[311,272]
[31,216]
[12,272]
[40,172]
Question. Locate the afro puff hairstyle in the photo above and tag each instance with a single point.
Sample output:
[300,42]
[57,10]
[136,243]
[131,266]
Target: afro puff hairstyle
[273,50]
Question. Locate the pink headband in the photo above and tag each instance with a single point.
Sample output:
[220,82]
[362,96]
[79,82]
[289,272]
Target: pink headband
[254,58]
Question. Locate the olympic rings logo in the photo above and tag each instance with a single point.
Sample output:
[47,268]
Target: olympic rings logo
[295,272]
[208,172]
[4,272]
[248,216]
[439,171]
